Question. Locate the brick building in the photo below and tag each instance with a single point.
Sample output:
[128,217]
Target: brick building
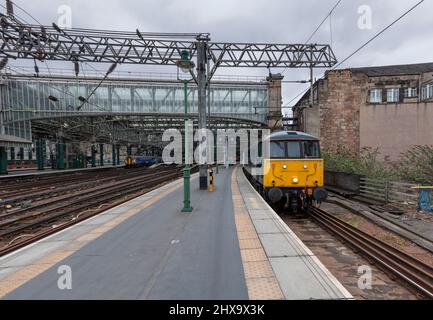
[389,108]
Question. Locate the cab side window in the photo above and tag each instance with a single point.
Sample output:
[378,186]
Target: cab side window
[311,149]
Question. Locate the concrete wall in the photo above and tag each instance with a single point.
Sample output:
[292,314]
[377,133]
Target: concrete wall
[395,128]
[343,181]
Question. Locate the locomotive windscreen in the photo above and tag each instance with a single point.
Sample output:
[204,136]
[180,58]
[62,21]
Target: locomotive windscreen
[295,150]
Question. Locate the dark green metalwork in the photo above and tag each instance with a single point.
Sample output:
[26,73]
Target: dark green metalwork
[187,190]
[118,155]
[21,156]
[187,170]
[3,161]
[40,154]
[53,161]
[101,155]
[93,156]
[113,153]
[60,156]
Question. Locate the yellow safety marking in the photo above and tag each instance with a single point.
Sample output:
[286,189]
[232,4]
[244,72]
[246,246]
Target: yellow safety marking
[89,237]
[264,289]
[253,255]
[253,243]
[259,276]
[29,272]
[23,275]
[258,267]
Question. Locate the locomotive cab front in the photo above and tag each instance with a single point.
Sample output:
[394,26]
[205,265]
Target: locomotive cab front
[293,175]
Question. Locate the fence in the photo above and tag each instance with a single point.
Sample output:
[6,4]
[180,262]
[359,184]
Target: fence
[388,191]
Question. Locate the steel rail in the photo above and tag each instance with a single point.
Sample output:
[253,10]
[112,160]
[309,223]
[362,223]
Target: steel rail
[13,188]
[64,195]
[80,200]
[409,269]
[110,199]
[78,182]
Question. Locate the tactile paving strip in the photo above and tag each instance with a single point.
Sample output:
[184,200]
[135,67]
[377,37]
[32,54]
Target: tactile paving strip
[250,244]
[259,276]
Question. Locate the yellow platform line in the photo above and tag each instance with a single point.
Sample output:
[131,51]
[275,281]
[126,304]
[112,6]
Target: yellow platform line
[29,272]
[260,279]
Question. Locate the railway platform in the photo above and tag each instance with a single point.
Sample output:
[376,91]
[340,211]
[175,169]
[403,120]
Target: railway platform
[233,246]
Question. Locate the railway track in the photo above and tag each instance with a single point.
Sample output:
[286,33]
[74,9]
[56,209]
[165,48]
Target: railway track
[21,227]
[40,182]
[393,224]
[37,192]
[403,266]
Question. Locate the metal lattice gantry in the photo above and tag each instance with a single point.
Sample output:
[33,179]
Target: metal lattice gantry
[23,41]
[19,40]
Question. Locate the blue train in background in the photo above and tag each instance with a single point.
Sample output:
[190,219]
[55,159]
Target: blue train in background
[141,161]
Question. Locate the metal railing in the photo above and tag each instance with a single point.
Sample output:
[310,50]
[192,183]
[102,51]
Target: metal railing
[388,191]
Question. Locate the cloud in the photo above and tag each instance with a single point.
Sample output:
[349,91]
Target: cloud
[282,21]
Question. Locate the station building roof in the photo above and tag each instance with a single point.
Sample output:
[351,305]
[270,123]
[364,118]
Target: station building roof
[395,70]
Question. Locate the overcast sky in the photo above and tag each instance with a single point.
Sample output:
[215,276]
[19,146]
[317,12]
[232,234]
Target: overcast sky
[279,21]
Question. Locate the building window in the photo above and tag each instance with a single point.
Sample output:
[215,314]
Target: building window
[410,92]
[427,92]
[376,96]
[393,95]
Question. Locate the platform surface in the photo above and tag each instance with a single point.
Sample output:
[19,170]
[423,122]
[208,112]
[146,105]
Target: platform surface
[233,246]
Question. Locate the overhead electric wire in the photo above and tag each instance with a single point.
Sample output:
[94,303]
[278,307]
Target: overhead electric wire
[320,25]
[323,21]
[330,31]
[311,37]
[15,15]
[368,42]
[378,34]
[85,100]
[168,35]
[27,13]
[138,33]
[14,69]
[113,66]
[299,94]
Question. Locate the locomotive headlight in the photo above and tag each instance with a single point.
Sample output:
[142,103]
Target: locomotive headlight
[305,166]
[285,166]
[295,180]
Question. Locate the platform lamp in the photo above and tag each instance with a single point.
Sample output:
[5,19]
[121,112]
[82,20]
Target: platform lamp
[184,69]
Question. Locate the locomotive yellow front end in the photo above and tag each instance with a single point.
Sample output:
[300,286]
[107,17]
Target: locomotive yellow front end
[293,176]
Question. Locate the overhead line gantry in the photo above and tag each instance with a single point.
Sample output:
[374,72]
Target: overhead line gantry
[19,40]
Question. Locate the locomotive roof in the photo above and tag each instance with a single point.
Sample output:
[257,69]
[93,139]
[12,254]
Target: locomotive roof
[292,135]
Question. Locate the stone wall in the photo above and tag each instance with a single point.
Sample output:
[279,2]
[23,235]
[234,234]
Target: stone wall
[335,115]
[343,117]
[275,114]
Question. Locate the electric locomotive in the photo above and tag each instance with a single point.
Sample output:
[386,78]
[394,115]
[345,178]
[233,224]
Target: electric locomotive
[292,177]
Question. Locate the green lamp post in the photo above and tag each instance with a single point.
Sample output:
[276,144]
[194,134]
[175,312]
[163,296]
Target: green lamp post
[184,68]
